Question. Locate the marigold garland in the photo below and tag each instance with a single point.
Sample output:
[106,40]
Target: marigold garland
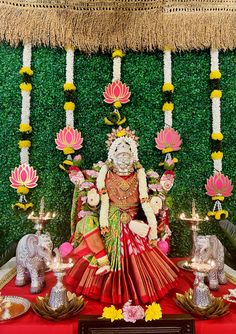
[217,137]
[24,177]
[116,93]
[68,140]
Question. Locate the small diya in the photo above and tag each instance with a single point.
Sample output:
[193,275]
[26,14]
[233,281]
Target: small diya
[217,308]
[71,308]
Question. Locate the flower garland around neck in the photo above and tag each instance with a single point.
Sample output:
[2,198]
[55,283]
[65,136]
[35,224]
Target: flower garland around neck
[218,186]
[24,177]
[113,140]
[69,139]
[116,93]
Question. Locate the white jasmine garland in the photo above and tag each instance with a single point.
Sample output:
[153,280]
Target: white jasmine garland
[216,108]
[104,211]
[143,195]
[167,79]
[116,69]
[101,177]
[25,106]
[70,78]
[24,155]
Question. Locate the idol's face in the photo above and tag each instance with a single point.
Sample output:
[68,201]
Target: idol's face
[123,157]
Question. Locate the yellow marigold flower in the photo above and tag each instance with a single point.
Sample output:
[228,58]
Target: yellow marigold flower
[27,70]
[215,75]
[221,212]
[25,128]
[175,160]
[167,150]
[218,198]
[69,86]
[168,87]
[68,162]
[69,106]
[112,313]
[168,106]
[217,155]
[211,213]
[22,206]
[22,190]
[24,143]
[153,312]
[121,133]
[167,48]
[118,53]
[217,136]
[68,150]
[27,87]
[117,104]
[216,93]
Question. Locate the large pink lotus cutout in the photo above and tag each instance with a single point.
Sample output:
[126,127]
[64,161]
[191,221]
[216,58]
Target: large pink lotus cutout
[24,175]
[219,185]
[168,140]
[116,92]
[69,140]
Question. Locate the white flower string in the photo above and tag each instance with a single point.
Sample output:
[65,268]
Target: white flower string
[216,95]
[116,93]
[218,186]
[69,105]
[26,88]
[167,88]
[24,177]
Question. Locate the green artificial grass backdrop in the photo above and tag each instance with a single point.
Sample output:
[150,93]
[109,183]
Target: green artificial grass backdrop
[143,73]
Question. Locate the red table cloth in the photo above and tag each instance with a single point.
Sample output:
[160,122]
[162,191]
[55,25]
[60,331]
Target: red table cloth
[31,323]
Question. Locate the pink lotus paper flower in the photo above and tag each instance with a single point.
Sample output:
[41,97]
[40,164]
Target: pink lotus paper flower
[69,140]
[24,175]
[219,185]
[116,92]
[132,313]
[168,140]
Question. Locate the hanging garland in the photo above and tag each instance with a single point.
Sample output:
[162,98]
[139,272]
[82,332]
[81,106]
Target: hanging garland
[116,93]
[168,140]
[24,177]
[218,186]
[69,139]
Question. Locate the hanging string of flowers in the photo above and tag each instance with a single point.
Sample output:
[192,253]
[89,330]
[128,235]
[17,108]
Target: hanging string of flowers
[69,139]
[116,93]
[24,177]
[168,140]
[218,186]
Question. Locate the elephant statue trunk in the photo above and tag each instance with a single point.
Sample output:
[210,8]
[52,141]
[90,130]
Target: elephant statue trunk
[32,253]
[209,248]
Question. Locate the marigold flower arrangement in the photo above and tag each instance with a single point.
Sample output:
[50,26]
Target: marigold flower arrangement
[130,313]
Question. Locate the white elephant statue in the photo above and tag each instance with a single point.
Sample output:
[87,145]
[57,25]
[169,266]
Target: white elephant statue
[32,252]
[209,248]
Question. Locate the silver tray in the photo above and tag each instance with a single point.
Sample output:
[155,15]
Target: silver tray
[16,300]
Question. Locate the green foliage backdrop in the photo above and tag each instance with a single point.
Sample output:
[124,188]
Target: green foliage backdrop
[143,73]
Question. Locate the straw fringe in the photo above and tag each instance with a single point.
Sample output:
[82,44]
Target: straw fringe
[103,30]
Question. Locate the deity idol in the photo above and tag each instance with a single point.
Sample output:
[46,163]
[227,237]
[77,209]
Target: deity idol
[136,268]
